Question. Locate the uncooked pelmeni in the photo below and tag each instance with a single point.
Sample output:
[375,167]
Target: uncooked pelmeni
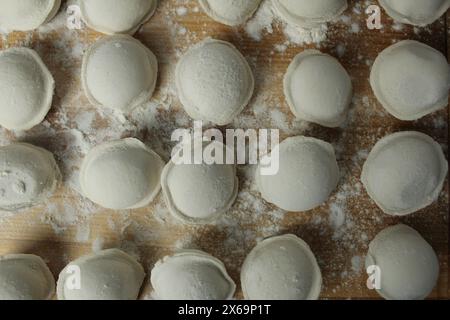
[214,81]
[116,16]
[281,268]
[106,275]
[119,72]
[411,80]
[307,13]
[318,89]
[308,173]
[407,264]
[231,12]
[191,275]
[122,174]
[26,15]
[25,277]
[405,172]
[415,12]
[29,175]
[26,89]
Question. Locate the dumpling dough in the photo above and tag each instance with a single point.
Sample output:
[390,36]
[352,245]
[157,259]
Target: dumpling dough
[415,12]
[307,13]
[26,15]
[25,277]
[214,82]
[199,193]
[117,16]
[318,89]
[107,275]
[405,172]
[411,80]
[122,174]
[119,72]
[281,268]
[308,174]
[408,264]
[231,12]
[191,275]
[26,89]
[29,175]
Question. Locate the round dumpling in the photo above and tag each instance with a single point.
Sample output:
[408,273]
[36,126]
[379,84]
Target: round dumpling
[405,172]
[25,277]
[318,89]
[122,174]
[117,16]
[415,12]
[214,82]
[29,175]
[411,80]
[308,174]
[407,264]
[231,12]
[281,268]
[307,13]
[119,72]
[191,275]
[107,275]
[26,15]
[26,89]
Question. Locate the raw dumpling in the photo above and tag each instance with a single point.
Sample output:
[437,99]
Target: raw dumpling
[415,12]
[26,89]
[230,12]
[29,175]
[26,15]
[281,268]
[307,13]
[122,174]
[199,193]
[308,173]
[191,275]
[117,16]
[318,89]
[411,80]
[107,275]
[25,277]
[119,72]
[405,172]
[408,265]
[214,82]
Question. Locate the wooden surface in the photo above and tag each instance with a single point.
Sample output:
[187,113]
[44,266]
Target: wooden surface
[69,226]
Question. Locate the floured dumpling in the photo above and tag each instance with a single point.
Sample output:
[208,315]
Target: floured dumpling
[405,172]
[191,275]
[230,12]
[281,268]
[415,12]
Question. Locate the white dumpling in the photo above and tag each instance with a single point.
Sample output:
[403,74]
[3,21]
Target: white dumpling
[281,268]
[408,265]
[119,72]
[405,172]
[117,16]
[191,275]
[415,12]
[26,89]
[25,277]
[307,13]
[411,80]
[318,89]
[230,12]
[214,82]
[26,15]
[308,174]
[122,174]
[107,275]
